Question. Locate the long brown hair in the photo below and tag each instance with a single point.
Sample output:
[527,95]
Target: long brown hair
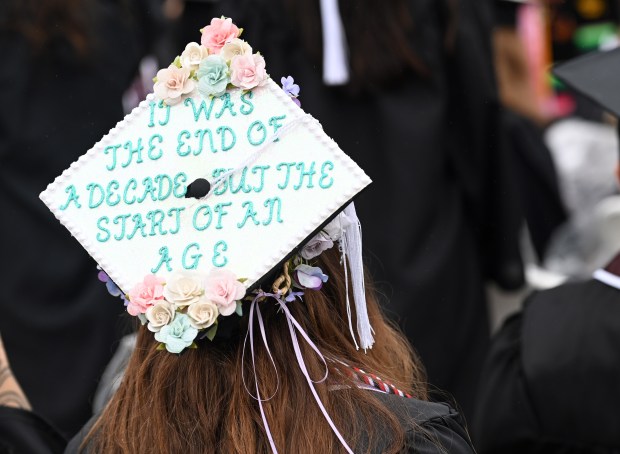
[196,402]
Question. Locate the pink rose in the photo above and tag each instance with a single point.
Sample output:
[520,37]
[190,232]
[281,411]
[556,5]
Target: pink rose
[172,83]
[145,294]
[223,289]
[220,32]
[248,71]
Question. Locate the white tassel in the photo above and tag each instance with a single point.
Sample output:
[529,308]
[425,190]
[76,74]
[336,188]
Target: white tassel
[351,244]
[343,262]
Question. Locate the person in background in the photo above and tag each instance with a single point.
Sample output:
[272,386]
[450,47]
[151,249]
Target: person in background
[406,87]
[550,383]
[67,64]
[533,171]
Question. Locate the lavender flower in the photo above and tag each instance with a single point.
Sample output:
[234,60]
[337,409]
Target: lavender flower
[291,88]
[113,289]
[292,296]
[310,277]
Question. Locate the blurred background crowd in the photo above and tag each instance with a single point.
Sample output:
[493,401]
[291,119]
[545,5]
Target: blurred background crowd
[491,178]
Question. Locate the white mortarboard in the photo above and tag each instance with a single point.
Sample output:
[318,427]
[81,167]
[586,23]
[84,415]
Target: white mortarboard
[124,200]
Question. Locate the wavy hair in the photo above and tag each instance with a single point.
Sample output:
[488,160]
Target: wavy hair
[197,402]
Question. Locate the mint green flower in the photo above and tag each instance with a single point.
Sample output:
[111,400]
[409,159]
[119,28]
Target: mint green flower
[213,76]
[178,335]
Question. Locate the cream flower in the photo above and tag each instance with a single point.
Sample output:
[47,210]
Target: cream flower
[193,54]
[235,47]
[159,315]
[172,83]
[184,288]
[202,314]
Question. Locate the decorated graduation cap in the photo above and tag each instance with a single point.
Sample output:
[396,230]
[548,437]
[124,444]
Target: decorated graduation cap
[215,181]
[595,75]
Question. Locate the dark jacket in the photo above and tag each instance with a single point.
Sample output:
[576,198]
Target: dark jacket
[550,384]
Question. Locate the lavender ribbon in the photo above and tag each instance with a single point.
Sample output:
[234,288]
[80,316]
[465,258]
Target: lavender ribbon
[294,328]
[254,306]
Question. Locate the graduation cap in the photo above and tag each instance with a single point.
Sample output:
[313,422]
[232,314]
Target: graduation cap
[218,170]
[596,76]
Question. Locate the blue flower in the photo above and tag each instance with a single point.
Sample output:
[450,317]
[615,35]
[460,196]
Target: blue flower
[213,76]
[178,335]
[310,277]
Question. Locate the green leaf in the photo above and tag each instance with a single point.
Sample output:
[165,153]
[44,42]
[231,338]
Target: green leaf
[193,345]
[242,279]
[240,32]
[177,62]
[161,347]
[211,332]
[155,79]
[239,309]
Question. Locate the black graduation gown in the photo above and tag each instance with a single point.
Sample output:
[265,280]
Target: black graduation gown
[58,323]
[430,144]
[550,383]
[24,432]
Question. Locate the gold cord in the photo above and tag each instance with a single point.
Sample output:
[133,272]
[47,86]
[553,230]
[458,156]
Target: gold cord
[283,283]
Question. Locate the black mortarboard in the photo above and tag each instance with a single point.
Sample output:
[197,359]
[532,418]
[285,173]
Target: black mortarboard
[596,76]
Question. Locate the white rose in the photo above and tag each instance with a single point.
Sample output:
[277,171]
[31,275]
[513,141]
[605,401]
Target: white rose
[202,314]
[184,288]
[338,225]
[235,47]
[172,84]
[193,54]
[315,247]
[159,315]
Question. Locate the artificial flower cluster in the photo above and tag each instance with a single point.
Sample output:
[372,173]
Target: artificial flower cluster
[187,302]
[176,309]
[220,61]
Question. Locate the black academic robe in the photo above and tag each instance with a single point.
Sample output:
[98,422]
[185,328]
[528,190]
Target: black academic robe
[24,432]
[550,384]
[430,221]
[58,323]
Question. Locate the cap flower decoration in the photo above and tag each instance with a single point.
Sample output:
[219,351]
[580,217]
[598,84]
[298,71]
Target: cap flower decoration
[220,62]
